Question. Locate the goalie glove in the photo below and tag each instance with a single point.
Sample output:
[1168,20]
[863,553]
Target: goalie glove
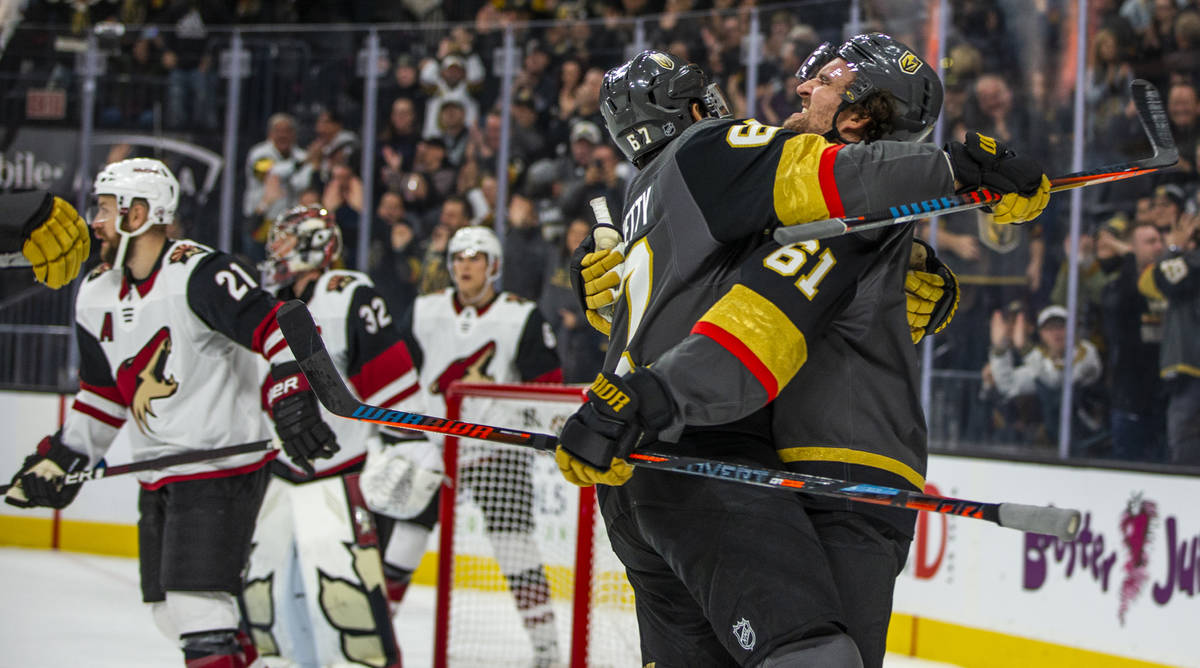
[931,292]
[400,478]
[620,413]
[984,162]
[41,480]
[595,274]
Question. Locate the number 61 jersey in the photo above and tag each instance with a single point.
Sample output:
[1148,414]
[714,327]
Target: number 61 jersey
[724,328]
[172,360]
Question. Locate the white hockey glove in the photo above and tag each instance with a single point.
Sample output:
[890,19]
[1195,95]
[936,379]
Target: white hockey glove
[399,479]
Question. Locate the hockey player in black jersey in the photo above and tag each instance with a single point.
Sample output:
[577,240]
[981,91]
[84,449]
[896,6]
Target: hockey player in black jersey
[706,192]
[168,332]
[48,231]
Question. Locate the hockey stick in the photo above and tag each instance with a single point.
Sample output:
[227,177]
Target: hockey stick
[301,334]
[1154,121]
[13,259]
[79,477]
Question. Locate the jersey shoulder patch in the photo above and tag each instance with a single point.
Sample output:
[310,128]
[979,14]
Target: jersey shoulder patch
[339,281]
[183,251]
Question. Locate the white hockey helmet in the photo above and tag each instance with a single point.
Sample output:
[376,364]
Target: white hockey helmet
[133,179]
[477,239]
[318,244]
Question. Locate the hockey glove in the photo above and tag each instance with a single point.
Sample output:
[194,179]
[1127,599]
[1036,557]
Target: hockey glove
[620,413]
[596,275]
[41,480]
[56,241]
[293,406]
[985,162]
[931,290]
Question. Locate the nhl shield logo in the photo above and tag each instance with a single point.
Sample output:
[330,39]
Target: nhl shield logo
[909,63]
[744,634]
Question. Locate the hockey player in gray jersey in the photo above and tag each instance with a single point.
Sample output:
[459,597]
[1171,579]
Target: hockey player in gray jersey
[694,227]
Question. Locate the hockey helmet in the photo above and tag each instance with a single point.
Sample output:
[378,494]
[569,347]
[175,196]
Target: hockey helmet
[647,102]
[883,63]
[477,239]
[138,179]
[317,244]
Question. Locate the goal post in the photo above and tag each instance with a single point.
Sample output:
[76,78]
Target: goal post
[479,612]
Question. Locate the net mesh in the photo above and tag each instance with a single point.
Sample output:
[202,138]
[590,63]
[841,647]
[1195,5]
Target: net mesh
[512,595]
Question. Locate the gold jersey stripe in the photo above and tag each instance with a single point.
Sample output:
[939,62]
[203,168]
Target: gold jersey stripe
[763,329]
[849,456]
[798,194]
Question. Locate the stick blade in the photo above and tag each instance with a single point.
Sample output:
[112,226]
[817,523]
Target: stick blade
[1063,523]
[1153,116]
[300,331]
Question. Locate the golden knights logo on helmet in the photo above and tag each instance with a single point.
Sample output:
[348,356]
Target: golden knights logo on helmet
[909,63]
[663,60]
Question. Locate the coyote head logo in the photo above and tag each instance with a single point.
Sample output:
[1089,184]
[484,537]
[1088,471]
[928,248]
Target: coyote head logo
[141,378]
[472,368]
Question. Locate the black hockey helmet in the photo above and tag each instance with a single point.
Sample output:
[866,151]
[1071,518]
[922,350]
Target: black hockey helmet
[884,64]
[647,102]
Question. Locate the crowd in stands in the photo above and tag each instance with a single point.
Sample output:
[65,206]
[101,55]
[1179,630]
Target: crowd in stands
[1010,72]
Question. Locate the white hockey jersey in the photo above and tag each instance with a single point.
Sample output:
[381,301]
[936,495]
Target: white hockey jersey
[171,359]
[504,341]
[370,353]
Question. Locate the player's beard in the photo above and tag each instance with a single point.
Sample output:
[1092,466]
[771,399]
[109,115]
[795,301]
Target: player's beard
[108,247]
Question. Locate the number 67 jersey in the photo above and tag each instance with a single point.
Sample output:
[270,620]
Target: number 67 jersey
[172,360]
[723,313]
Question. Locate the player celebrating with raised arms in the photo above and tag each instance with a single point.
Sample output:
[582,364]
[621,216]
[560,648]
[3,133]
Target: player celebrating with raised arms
[316,587]
[168,331]
[707,190]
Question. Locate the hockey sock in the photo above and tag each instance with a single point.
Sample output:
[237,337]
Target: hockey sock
[213,649]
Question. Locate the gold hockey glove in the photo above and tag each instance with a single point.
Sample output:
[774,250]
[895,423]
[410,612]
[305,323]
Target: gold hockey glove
[57,241]
[595,274]
[931,292]
[620,413]
[982,161]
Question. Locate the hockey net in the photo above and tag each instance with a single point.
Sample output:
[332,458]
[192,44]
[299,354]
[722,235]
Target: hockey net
[526,574]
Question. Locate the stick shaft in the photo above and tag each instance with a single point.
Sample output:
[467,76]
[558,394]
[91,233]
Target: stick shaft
[79,477]
[300,331]
[1153,119]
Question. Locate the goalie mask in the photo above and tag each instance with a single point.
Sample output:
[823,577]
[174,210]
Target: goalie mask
[301,240]
[647,102]
[135,179]
[884,65]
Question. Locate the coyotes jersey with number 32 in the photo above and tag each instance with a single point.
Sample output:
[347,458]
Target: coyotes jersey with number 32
[370,352]
[172,360]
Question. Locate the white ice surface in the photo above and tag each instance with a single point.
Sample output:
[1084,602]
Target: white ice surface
[65,610]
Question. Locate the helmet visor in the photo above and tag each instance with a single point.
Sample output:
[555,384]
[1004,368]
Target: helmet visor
[816,60]
[715,103]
